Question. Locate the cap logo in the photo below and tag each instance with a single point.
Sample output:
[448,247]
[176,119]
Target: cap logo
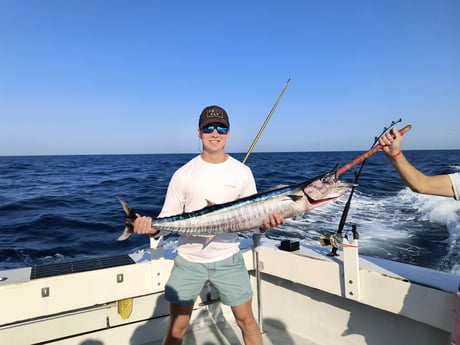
[215,113]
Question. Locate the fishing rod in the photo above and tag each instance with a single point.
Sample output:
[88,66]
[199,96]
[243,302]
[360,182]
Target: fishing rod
[256,139]
[369,153]
[333,240]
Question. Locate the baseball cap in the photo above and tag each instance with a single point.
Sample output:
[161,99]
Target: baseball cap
[213,114]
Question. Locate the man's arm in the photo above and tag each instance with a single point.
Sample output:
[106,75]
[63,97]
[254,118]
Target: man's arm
[411,176]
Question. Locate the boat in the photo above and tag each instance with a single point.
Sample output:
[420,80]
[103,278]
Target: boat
[303,295]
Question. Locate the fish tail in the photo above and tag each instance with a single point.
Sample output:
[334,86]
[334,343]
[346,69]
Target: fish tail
[129,229]
[130,216]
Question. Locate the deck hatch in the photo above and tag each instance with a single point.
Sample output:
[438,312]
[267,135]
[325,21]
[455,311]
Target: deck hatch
[42,271]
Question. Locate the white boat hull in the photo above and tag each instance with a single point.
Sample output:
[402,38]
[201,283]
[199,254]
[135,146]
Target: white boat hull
[306,298]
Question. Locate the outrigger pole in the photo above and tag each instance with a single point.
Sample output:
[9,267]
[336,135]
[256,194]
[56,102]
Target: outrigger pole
[265,122]
[256,236]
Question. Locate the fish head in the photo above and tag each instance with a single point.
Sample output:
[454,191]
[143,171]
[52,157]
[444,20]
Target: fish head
[325,188]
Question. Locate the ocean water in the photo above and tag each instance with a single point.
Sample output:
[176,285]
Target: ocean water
[62,208]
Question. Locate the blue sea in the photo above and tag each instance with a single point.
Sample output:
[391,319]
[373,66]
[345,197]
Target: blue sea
[61,208]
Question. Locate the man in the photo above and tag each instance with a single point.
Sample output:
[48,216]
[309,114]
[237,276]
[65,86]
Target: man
[213,176]
[442,185]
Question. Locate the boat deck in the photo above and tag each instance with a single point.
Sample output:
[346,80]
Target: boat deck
[228,333]
[302,298]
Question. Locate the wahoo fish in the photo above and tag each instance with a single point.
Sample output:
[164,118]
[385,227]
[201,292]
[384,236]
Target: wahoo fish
[249,212]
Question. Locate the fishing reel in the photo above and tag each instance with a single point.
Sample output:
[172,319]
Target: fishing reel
[335,240]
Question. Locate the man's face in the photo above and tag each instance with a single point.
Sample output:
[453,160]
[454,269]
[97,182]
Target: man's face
[214,137]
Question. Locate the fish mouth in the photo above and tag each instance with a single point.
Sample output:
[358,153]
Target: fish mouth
[320,201]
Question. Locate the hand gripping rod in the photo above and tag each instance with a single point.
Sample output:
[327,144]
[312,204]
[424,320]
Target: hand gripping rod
[367,154]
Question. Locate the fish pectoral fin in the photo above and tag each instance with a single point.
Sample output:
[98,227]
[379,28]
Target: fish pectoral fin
[294,197]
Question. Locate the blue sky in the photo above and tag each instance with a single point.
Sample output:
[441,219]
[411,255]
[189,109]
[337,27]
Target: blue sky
[84,77]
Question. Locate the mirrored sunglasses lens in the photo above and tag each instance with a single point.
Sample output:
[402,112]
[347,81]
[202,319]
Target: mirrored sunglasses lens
[208,129]
[222,130]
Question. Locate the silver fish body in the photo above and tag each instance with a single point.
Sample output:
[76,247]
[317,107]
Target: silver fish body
[247,213]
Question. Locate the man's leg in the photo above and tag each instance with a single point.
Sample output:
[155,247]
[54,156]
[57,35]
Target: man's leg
[246,321]
[179,318]
[183,286]
[231,279]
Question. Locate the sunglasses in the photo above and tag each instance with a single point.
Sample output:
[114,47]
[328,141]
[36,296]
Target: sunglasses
[209,129]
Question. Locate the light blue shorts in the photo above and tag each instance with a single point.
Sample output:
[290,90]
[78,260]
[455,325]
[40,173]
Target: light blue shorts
[229,276]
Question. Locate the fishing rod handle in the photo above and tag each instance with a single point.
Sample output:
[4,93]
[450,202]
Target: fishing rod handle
[367,154]
[405,129]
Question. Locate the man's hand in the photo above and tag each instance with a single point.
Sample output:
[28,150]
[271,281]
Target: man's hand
[274,220]
[143,225]
[391,142]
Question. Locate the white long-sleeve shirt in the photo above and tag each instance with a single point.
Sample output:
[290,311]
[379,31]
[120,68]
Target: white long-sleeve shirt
[455,178]
[190,189]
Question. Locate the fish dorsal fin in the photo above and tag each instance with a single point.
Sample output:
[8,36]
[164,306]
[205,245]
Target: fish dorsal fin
[278,187]
[209,203]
